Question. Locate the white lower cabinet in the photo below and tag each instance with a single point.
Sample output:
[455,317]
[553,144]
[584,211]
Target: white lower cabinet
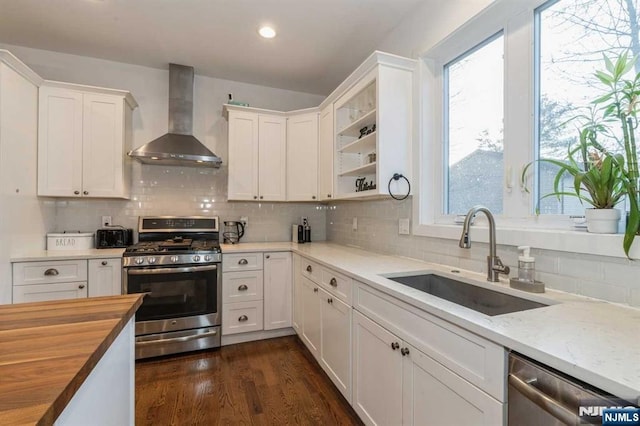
[311,311]
[105,277]
[277,298]
[335,341]
[377,373]
[297,295]
[51,291]
[66,279]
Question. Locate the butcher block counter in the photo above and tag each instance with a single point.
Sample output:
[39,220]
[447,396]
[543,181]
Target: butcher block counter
[63,361]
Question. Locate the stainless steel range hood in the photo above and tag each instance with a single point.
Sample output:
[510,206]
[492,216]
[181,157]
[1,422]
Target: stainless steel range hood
[178,147]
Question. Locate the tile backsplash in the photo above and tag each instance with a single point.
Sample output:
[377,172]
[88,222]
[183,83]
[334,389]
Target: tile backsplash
[607,278]
[161,190]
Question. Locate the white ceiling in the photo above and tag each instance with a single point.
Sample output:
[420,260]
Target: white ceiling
[319,42]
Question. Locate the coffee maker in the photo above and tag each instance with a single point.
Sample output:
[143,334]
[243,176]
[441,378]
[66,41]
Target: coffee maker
[233,231]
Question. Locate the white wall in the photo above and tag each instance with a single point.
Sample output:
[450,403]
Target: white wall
[155,190]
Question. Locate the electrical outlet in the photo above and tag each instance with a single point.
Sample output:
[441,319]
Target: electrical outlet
[354,226]
[403,226]
[106,220]
[244,220]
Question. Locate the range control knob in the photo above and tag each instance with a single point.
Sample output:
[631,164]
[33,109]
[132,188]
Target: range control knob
[196,258]
[139,260]
[174,259]
[152,260]
[207,258]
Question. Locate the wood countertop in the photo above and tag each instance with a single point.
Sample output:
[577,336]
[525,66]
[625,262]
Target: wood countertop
[47,350]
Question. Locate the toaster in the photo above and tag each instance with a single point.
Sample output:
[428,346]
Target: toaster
[114,237]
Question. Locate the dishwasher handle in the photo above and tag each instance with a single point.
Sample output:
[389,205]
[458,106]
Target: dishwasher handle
[543,401]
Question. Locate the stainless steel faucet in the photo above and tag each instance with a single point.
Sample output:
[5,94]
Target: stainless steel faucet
[494,264]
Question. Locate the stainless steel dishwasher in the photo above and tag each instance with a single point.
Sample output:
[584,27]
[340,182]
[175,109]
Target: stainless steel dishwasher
[539,396]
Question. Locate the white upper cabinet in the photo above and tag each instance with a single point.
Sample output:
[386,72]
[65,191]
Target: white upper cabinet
[325,154]
[302,157]
[374,129]
[257,156]
[84,134]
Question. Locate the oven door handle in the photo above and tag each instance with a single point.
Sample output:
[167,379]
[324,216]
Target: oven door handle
[179,339]
[132,271]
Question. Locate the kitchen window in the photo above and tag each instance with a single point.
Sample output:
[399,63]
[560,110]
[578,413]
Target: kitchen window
[474,114]
[544,52]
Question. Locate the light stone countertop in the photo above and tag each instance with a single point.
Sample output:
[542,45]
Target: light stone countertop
[589,339]
[47,255]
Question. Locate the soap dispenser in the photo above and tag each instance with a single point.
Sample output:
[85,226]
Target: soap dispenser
[526,273]
[526,265]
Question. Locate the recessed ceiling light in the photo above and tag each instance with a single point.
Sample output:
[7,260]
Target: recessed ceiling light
[267,32]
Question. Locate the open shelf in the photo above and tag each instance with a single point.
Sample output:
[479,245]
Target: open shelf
[362,170]
[361,146]
[353,129]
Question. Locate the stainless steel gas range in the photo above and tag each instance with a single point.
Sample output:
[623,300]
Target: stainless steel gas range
[177,265]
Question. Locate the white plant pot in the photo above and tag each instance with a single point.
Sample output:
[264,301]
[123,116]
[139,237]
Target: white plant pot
[602,221]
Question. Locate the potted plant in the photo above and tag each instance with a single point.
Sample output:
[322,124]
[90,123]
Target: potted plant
[607,175]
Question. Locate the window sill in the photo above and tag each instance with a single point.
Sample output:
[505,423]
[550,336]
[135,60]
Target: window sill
[548,239]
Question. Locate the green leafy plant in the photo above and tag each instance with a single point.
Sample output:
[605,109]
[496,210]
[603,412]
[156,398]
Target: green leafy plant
[606,175]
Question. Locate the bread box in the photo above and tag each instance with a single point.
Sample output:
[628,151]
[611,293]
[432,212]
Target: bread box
[70,240]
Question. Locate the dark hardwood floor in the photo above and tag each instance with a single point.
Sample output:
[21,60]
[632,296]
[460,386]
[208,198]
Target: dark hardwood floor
[269,382]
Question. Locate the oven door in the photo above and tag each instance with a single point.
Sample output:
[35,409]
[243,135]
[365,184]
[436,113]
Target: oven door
[176,298]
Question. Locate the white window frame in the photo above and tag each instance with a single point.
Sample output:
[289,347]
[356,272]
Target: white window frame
[517,225]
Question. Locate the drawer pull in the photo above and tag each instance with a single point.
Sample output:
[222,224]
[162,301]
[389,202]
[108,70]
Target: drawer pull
[309,268]
[395,345]
[81,286]
[333,282]
[243,318]
[243,262]
[404,351]
[85,192]
[51,272]
[315,290]
[268,256]
[243,287]
[104,263]
[76,192]
[330,300]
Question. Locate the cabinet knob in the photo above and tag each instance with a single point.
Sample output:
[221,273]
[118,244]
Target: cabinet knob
[395,345]
[255,197]
[328,195]
[261,197]
[313,197]
[243,318]
[268,256]
[76,192]
[104,263]
[51,272]
[243,262]
[85,192]
[330,300]
[243,287]
[81,286]
[315,290]
[404,351]
[333,282]
[309,268]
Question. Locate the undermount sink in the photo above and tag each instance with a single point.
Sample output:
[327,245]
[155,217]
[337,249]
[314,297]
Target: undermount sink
[479,299]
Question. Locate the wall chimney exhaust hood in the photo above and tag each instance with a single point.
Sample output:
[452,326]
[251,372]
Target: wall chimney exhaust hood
[178,147]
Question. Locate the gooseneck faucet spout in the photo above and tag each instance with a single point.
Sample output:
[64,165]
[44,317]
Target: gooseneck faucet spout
[494,264]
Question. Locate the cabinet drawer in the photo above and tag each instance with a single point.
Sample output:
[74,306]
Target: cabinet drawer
[49,291]
[242,286]
[311,270]
[477,360]
[337,284]
[242,317]
[241,262]
[25,273]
